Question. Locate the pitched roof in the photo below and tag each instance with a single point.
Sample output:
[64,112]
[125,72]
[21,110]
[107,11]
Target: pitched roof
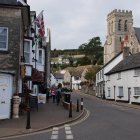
[9,2]
[59,76]
[137,33]
[131,62]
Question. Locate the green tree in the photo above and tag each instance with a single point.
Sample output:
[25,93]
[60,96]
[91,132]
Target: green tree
[91,73]
[93,50]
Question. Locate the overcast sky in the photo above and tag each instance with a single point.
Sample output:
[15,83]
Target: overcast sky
[74,22]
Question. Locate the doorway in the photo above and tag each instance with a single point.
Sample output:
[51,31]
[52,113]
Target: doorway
[129,95]
[5,96]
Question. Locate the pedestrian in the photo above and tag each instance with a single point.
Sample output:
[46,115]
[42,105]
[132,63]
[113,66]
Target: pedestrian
[58,93]
[47,94]
[53,92]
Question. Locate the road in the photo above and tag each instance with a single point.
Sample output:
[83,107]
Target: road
[105,122]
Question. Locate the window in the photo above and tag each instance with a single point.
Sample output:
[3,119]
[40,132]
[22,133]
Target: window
[120,39]
[112,27]
[27,51]
[137,72]
[3,38]
[108,78]
[76,78]
[119,25]
[102,73]
[40,57]
[125,25]
[136,90]
[109,91]
[121,91]
[119,75]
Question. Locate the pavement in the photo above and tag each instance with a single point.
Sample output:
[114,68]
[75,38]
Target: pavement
[47,116]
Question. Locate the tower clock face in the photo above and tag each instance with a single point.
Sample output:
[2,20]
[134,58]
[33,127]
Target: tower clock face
[109,40]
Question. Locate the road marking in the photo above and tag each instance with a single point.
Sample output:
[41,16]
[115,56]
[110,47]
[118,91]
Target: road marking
[54,132]
[54,135]
[69,137]
[48,130]
[55,128]
[67,128]
[68,132]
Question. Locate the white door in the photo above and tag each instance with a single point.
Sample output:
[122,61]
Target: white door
[5,95]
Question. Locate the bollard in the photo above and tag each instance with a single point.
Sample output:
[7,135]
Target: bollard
[81,103]
[28,126]
[70,110]
[77,110]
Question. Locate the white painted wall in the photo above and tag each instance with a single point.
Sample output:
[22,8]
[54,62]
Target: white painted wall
[53,80]
[128,80]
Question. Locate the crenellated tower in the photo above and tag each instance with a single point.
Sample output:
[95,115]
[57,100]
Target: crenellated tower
[119,24]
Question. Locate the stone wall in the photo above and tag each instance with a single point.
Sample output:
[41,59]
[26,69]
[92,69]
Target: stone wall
[9,60]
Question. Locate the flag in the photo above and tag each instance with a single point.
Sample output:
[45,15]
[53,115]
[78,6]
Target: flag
[40,24]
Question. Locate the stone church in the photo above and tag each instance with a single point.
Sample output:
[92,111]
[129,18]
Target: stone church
[120,32]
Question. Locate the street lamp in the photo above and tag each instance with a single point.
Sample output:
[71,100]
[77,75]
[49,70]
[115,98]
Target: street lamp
[27,91]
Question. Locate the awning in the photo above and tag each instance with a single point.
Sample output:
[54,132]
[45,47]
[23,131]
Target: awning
[37,76]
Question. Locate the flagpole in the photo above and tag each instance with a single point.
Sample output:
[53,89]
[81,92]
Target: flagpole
[37,16]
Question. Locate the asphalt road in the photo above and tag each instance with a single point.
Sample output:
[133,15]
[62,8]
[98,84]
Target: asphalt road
[106,122]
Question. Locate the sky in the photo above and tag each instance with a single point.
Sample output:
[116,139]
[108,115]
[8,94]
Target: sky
[74,22]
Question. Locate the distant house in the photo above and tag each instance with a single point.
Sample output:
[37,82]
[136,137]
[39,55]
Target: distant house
[123,82]
[53,80]
[73,76]
[59,78]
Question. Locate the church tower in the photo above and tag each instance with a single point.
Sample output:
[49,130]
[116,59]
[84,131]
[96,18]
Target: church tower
[119,24]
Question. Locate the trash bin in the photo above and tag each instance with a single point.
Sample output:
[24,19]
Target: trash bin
[67,97]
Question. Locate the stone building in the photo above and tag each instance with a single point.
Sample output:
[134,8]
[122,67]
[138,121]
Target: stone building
[120,30]
[14,21]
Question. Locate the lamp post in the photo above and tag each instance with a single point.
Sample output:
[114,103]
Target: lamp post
[71,81]
[28,74]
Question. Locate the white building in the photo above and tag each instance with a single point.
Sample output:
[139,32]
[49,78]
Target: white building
[123,83]
[101,78]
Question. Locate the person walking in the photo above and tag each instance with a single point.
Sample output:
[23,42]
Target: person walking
[53,91]
[58,93]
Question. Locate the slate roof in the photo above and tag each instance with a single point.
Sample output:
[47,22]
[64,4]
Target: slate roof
[137,33]
[59,76]
[131,62]
[9,2]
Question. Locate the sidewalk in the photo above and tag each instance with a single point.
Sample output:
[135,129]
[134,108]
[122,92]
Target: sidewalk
[48,114]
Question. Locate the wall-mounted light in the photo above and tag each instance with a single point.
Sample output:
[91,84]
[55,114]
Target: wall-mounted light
[33,51]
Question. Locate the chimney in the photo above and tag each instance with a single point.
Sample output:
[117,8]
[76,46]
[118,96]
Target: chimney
[125,52]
